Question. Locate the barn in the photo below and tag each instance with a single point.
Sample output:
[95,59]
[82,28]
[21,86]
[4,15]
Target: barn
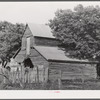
[40,47]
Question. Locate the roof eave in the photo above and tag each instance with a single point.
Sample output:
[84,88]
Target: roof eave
[16,52]
[53,38]
[68,61]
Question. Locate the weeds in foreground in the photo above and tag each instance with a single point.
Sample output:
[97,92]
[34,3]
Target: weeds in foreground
[53,85]
[92,84]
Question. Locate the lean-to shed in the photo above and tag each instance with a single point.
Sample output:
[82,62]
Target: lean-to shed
[41,47]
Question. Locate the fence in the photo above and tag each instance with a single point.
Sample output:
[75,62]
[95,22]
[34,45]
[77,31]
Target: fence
[24,75]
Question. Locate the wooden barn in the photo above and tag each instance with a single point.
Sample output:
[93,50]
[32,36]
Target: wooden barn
[40,48]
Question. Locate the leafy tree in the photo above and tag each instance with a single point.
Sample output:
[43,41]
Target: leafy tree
[79,31]
[10,39]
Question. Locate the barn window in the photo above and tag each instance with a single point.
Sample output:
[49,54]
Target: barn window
[28,46]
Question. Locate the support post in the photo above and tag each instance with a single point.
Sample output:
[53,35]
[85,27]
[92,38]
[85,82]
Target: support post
[59,80]
[37,75]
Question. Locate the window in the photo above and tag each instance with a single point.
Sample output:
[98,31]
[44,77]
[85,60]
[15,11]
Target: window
[28,46]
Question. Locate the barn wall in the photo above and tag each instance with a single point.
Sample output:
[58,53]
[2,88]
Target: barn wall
[46,41]
[27,34]
[71,71]
[24,40]
[38,60]
[36,40]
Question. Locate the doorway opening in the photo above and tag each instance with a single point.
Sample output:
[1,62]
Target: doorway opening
[28,63]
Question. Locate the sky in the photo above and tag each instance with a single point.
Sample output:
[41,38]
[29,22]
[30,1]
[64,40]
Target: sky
[36,12]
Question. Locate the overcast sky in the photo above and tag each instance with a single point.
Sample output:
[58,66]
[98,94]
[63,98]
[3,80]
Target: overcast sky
[35,12]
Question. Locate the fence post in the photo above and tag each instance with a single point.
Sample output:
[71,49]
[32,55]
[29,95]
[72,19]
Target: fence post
[82,76]
[37,75]
[22,73]
[44,75]
[59,80]
[48,73]
[35,68]
[4,79]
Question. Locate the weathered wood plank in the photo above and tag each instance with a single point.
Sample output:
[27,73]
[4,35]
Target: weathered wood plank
[27,75]
[72,71]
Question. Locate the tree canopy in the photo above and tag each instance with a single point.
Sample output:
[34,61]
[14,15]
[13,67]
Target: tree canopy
[10,39]
[78,30]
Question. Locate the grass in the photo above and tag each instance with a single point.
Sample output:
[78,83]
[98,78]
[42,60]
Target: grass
[92,84]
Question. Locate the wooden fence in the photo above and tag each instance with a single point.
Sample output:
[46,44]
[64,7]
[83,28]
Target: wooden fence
[25,75]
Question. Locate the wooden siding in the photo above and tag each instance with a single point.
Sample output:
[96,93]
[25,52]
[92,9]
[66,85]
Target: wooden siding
[25,36]
[46,41]
[38,40]
[28,46]
[27,32]
[71,71]
[24,42]
[36,57]
[38,60]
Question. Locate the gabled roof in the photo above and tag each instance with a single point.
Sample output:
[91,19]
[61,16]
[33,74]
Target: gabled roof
[54,54]
[20,56]
[57,54]
[51,53]
[40,30]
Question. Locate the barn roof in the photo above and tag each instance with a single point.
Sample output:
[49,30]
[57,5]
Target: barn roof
[56,54]
[40,30]
[20,56]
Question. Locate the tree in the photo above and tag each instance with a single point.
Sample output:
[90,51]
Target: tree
[78,30]
[10,39]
